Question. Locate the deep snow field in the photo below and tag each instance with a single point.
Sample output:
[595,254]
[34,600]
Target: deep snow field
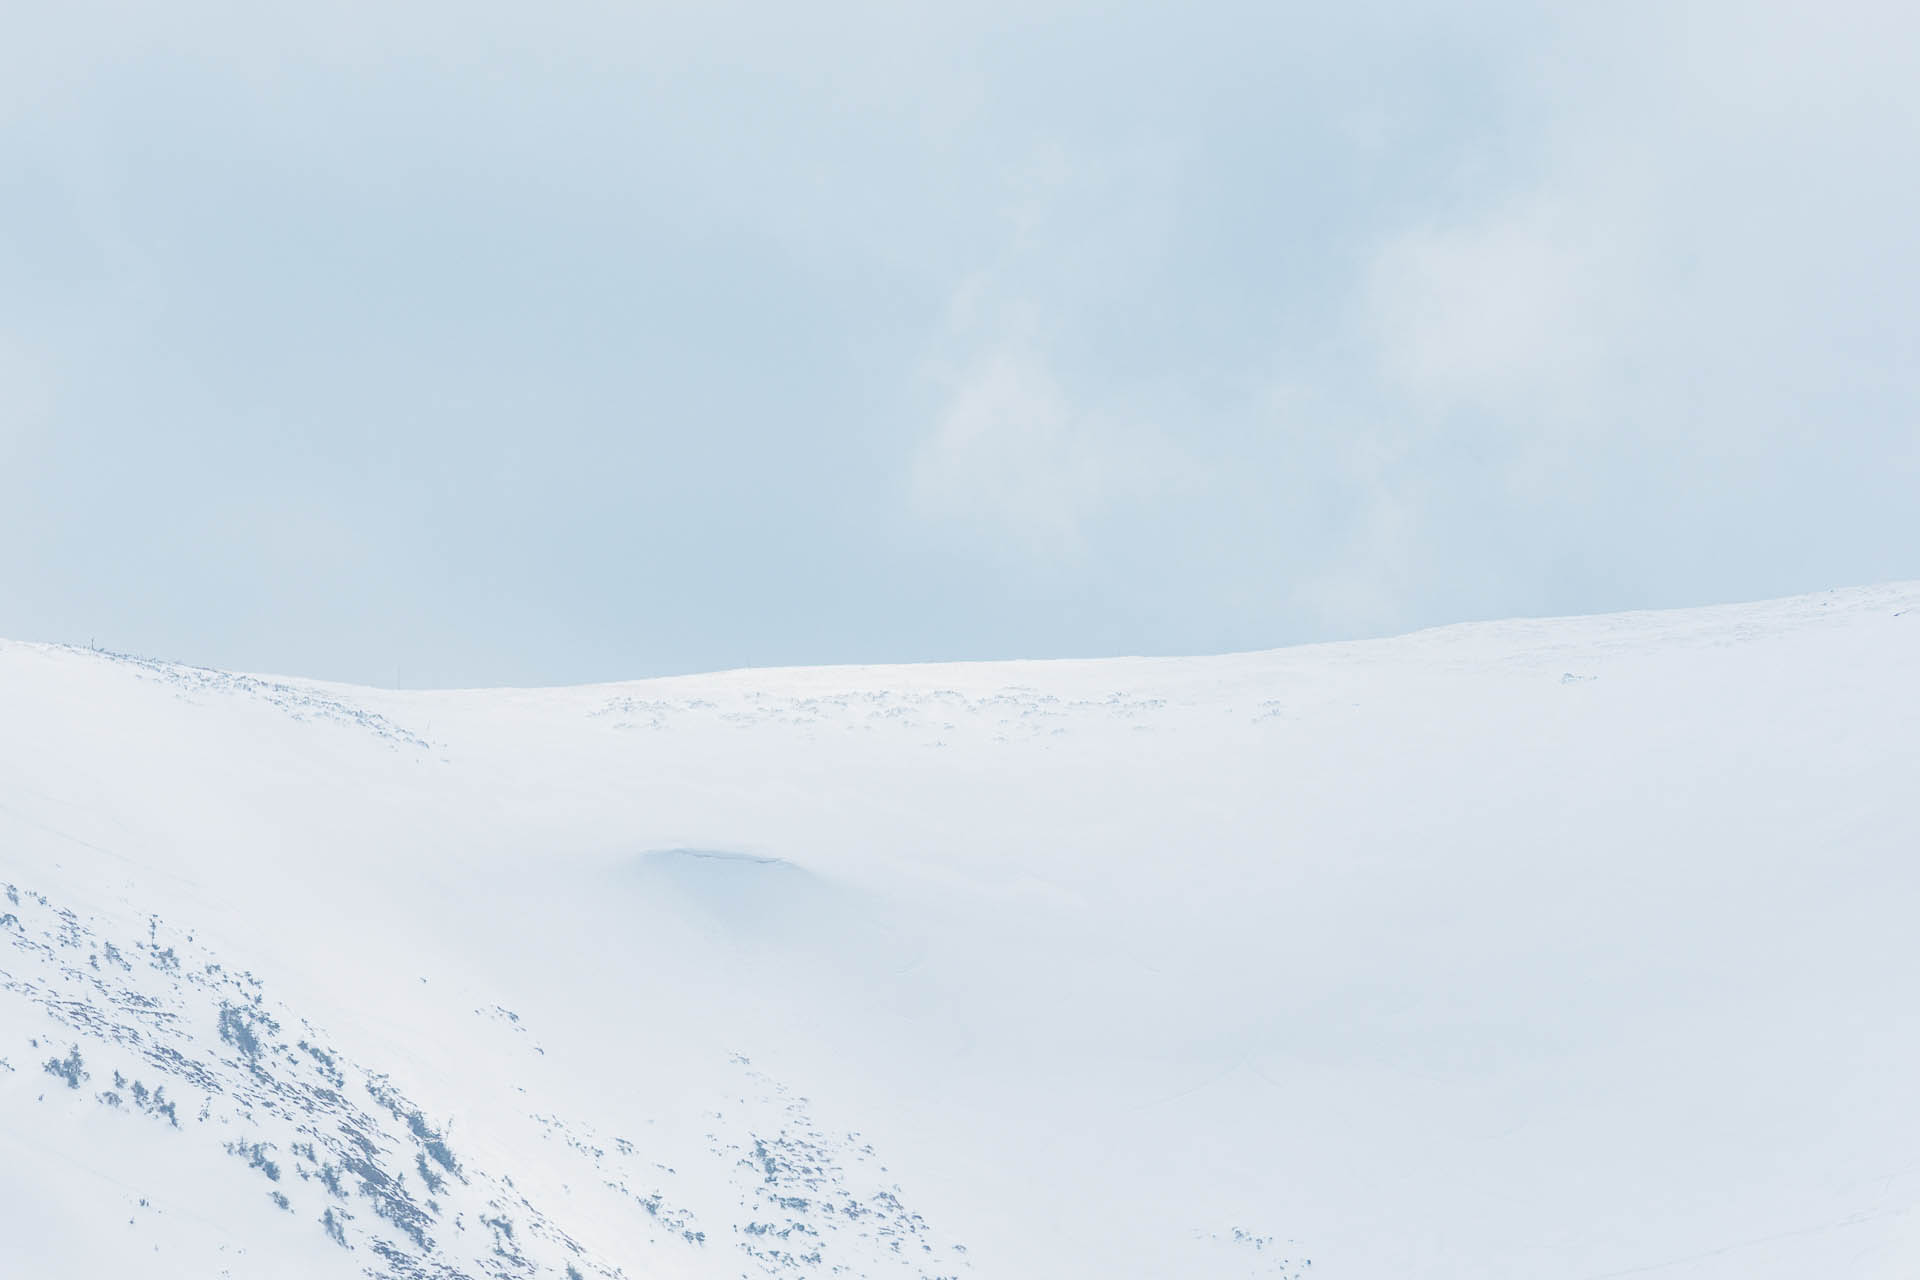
[1568,949]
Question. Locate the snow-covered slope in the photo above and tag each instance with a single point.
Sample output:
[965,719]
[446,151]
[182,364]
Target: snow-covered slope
[1582,948]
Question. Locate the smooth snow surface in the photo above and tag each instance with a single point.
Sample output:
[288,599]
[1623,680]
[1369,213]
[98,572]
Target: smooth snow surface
[1582,948]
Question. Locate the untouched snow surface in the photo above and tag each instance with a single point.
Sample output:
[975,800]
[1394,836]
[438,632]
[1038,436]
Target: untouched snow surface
[1583,948]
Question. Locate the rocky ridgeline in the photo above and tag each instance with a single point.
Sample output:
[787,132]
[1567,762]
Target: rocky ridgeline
[298,702]
[818,1204]
[1237,1252]
[160,1029]
[1009,715]
[157,1028]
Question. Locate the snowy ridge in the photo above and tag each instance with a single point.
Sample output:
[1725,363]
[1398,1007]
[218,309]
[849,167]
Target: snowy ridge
[299,700]
[1575,947]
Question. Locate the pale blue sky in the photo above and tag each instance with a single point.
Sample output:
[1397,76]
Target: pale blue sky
[487,343]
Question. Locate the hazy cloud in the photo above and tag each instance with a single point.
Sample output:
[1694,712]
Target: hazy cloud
[1514,311]
[612,335]
[1012,452]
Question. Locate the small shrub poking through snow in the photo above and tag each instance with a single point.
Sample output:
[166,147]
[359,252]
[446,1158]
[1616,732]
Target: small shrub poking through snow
[69,1068]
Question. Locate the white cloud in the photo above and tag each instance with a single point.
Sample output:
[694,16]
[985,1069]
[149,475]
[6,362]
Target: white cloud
[1698,264]
[1512,308]
[1012,452]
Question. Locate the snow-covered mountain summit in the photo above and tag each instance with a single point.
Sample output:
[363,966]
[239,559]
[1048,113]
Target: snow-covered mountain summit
[1573,948]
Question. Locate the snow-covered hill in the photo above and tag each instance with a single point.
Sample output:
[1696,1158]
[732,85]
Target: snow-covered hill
[1581,948]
